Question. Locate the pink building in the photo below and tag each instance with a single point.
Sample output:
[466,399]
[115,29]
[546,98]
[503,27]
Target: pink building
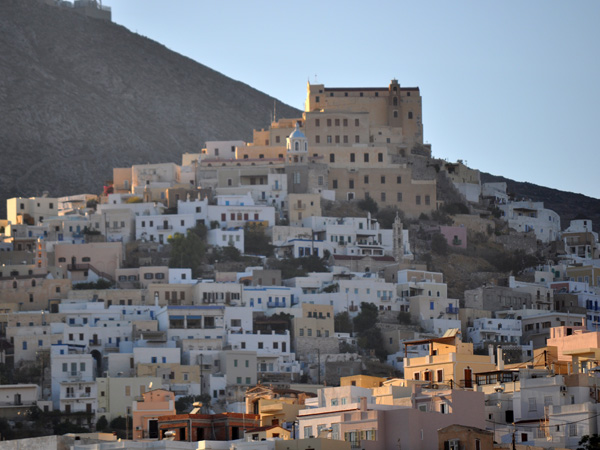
[156,403]
[576,345]
[455,236]
[411,424]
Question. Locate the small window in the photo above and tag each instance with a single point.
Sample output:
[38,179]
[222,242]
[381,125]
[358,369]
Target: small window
[410,115]
[352,157]
[379,157]
[382,180]
[366,157]
[366,180]
[332,157]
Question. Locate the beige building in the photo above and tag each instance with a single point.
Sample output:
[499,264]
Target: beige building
[103,258]
[386,109]
[301,206]
[316,321]
[450,362]
[116,394]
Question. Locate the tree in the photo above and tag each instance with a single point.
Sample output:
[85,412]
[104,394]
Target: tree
[368,204]
[386,216]
[102,424]
[439,244]
[188,251]
[367,318]
[342,323]
[589,442]
[256,242]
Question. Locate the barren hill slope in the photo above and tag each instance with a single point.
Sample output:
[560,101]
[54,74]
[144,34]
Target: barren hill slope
[79,96]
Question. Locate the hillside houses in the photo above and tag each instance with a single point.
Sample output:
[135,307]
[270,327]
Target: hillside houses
[269,310]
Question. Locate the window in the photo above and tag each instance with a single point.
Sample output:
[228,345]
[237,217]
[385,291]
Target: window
[332,157]
[427,200]
[154,359]
[317,139]
[352,157]
[235,363]
[382,180]
[328,122]
[418,199]
[379,157]
[572,429]
[357,139]
[366,180]
[351,184]
[307,432]
[399,196]
[337,122]
[410,115]
[532,404]
[345,122]
[301,332]
[345,139]
[248,380]
[329,140]
[383,196]
[247,363]
[335,184]
[317,121]
[366,157]
[356,122]
[24,345]
[239,380]
[395,114]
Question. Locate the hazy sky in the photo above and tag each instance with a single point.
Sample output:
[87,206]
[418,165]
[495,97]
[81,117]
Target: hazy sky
[510,87]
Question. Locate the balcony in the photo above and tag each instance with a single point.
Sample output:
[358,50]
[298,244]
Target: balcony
[300,206]
[164,227]
[272,304]
[276,187]
[451,310]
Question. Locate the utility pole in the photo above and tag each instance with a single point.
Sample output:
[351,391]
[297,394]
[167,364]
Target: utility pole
[318,366]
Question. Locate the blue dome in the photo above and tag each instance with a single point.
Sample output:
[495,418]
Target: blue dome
[297,134]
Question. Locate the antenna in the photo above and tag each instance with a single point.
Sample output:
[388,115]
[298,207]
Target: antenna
[274,110]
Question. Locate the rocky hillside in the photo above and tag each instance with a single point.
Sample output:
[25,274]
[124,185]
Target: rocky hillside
[567,205]
[79,96]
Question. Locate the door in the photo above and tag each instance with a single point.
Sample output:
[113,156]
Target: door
[468,377]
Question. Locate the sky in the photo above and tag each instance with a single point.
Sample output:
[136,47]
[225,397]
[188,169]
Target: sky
[510,87]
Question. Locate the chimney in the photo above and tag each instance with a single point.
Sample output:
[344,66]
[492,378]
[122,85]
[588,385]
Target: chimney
[363,403]
[500,362]
[491,353]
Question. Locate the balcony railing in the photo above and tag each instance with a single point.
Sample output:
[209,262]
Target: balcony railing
[451,310]
[164,227]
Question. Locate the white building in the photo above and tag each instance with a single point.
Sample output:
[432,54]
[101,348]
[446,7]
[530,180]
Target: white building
[525,216]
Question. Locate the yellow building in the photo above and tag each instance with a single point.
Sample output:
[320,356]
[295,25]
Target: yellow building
[316,321]
[587,274]
[274,405]
[364,381]
[450,361]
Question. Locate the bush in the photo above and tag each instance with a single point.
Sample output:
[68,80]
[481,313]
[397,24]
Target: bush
[439,245]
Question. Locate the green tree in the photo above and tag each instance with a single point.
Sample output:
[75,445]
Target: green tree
[588,442]
[368,204]
[342,323]
[102,424]
[187,251]
[386,216]
[366,318]
[439,244]
[256,242]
